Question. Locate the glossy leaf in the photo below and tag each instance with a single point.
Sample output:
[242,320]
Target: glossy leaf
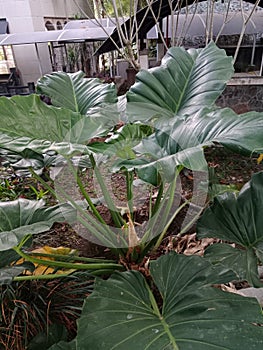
[185,82]
[238,219]
[122,312]
[151,169]
[241,133]
[178,98]
[8,257]
[75,92]
[180,141]
[27,122]
[243,263]
[122,141]
[22,217]
[8,273]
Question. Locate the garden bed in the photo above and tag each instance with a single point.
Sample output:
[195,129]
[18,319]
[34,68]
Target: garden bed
[229,169]
[161,269]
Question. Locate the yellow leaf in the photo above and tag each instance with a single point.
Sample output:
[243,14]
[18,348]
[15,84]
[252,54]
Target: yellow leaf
[59,250]
[260,158]
[43,269]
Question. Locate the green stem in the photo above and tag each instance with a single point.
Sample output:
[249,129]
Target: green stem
[162,320]
[129,184]
[66,265]
[84,193]
[171,196]
[100,231]
[116,217]
[161,213]
[71,257]
[150,203]
[153,302]
[158,199]
[184,229]
[156,219]
[160,238]
[39,277]
[51,276]
[103,272]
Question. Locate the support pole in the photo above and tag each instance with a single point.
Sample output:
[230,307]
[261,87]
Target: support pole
[39,62]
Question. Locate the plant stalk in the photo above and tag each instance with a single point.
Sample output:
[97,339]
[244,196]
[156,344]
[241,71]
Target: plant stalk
[66,265]
[116,217]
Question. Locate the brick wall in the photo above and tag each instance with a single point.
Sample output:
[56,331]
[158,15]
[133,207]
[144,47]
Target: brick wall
[243,95]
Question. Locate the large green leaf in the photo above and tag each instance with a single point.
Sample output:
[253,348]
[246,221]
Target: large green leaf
[27,122]
[237,219]
[180,141]
[149,167]
[243,263]
[122,312]
[75,92]
[185,82]
[179,98]
[241,133]
[123,140]
[22,217]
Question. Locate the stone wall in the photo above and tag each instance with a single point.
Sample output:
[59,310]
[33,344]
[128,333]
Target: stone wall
[243,95]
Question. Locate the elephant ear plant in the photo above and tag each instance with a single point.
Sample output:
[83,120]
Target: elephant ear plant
[237,219]
[178,99]
[176,102]
[171,116]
